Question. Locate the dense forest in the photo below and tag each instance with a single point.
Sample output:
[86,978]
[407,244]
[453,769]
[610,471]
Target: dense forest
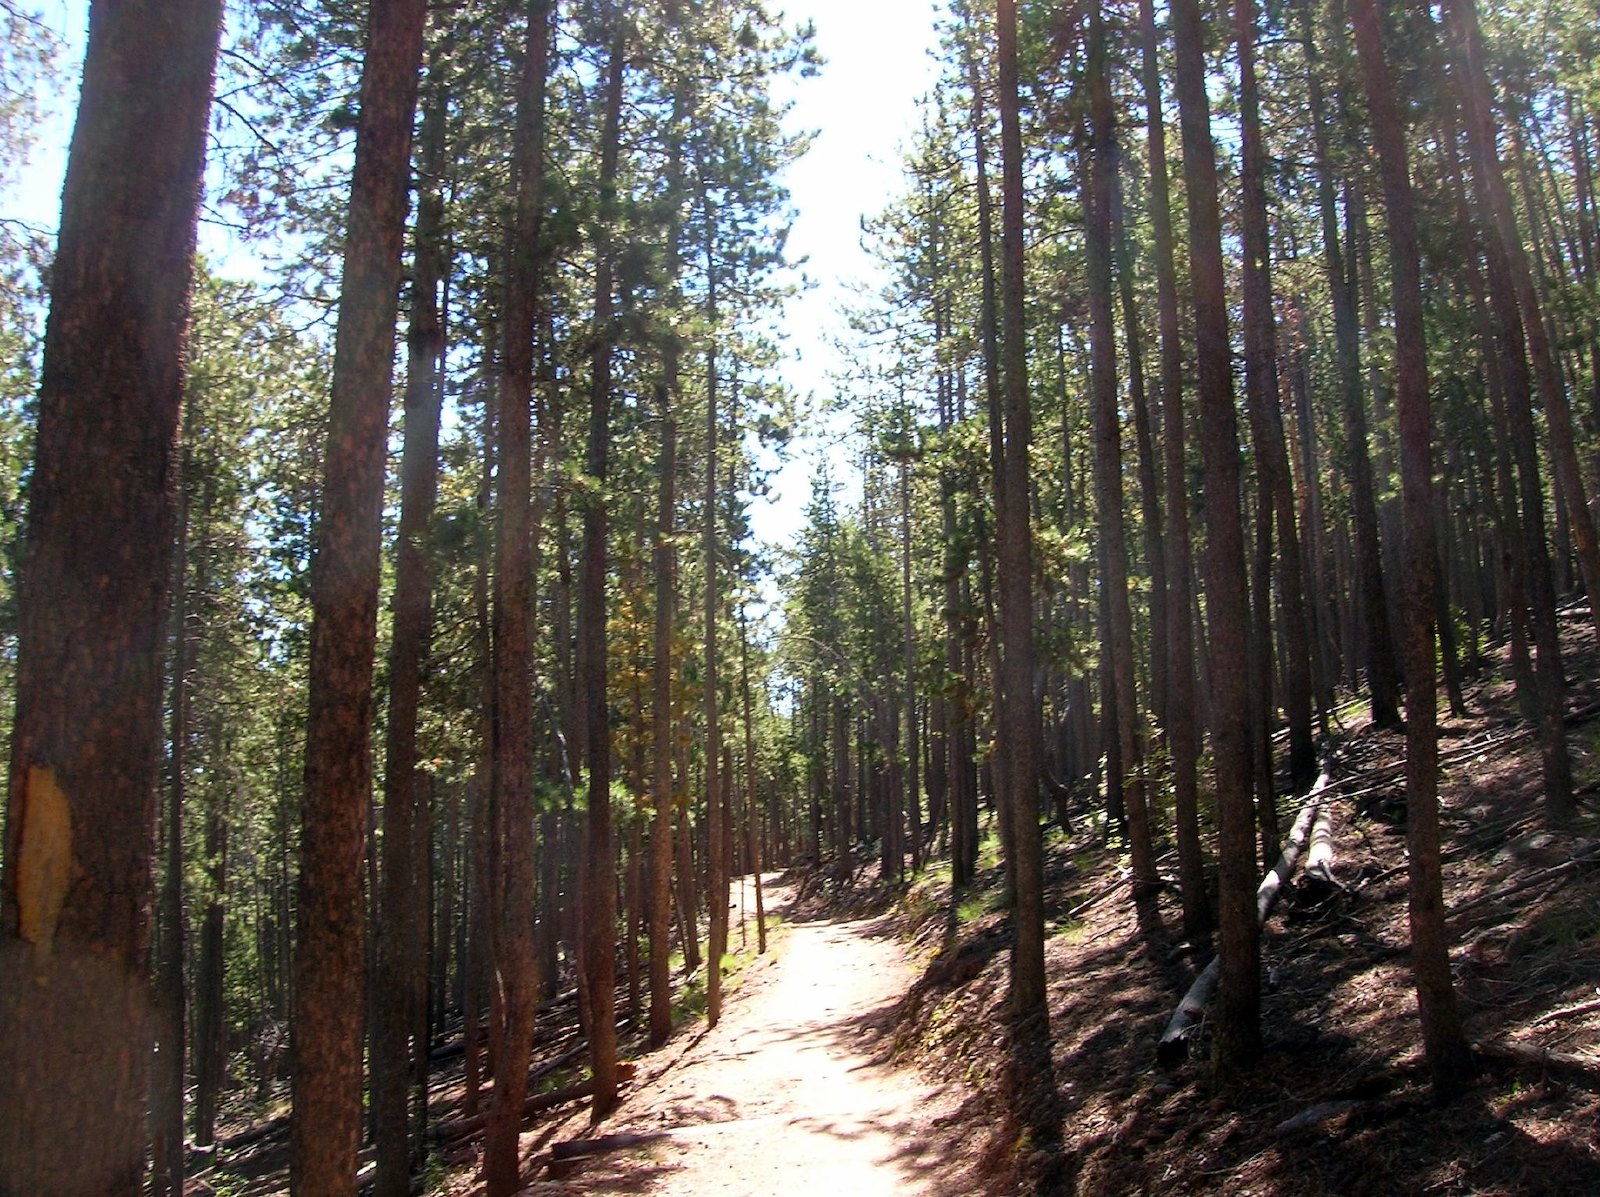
[391,668]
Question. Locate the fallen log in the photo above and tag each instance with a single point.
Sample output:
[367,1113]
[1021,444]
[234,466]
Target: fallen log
[460,1128]
[1580,1070]
[1319,856]
[255,1134]
[1185,1020]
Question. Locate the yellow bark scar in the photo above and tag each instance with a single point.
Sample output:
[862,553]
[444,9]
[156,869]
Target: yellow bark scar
[44,861]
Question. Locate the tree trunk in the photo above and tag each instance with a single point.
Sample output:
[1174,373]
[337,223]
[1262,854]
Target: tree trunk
[1382,680]
[516,964]
[329,963]
[1118,643]
[752,817]
[1032,1075]
[661,720]
[401,914]
[599,903]
[1502,226]
[1266,420]
[1182,738]
[1227,606]
[1449,1057]
[167,1075]
[86,748]
[1511,353]
[716,865]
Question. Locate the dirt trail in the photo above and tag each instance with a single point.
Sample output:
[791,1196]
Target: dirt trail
[790,1093]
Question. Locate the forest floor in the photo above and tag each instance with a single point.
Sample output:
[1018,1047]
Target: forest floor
[1341,1102]
[864,1054]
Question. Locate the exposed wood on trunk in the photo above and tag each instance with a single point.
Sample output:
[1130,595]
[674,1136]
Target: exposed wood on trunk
[86,746]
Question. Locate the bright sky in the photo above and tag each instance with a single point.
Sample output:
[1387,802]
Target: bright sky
[863,108]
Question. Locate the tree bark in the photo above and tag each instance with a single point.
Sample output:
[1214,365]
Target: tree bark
[329,962]
[1118,643]
[401,913]
[1512,359]
[1382,679]
[599,891]
[1227,601]
[716,840]
[1181,729]
[86,751]
[167,1075]
[1032,1074]
[1266,419]
[1449,1057]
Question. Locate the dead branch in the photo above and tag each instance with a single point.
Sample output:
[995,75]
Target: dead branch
[1587,1007]
[1186,1018]
[1539,878]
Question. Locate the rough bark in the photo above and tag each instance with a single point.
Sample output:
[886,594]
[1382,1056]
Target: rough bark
[1511,360]
[1106,419]
[1266,419]
[600,891]
[516,966]
[1449,1057]
[329,962]
[166,1088]
[401,914]
[661,720]
[1502,223]
[1238,1040]
[1181,730]
[716,845]
[1032,1075]
[1382,676]
[86,750]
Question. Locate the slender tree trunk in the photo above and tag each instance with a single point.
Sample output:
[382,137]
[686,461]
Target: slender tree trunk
[661,720]
[1266,420]
[1382,678]
[600,894]
[167,1075]
[1032,1077]
[329,961]
[1502,222]
[1512,359]
[1108,455]
[752,816]
[400,914]
[207,1033]
[717,848]
[516,962]
[1449,1058]
[86,750]
[1238,1034]
[908,665]
[1182,740]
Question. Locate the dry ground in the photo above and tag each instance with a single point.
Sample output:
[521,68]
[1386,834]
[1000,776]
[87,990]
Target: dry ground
[1342,1045]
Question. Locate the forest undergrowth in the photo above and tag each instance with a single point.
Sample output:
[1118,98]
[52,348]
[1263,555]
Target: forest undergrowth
[1341,1103]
